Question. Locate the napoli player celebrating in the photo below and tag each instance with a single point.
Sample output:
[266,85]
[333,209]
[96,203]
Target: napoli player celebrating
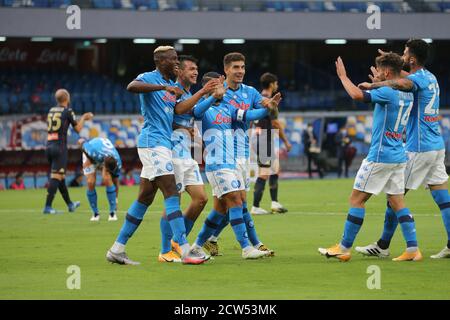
[158,95]
[186,169]
[99,153]
[424,144]
[383,169]
[218,123]
[241,97]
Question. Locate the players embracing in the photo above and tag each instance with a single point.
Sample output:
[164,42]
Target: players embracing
[424,143]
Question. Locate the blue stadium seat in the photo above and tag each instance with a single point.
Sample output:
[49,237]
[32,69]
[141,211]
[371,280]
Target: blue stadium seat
[387,7]
[445,6]
[60,3]
[8,3]
[350,6]
[146,4]
[185,5]
[40,3]
[98,106]
[103,4]
[274,6]
[296,6]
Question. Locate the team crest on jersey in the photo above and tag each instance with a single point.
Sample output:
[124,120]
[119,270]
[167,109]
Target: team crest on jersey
[169,166]
[168,110]
[235,184]
[244,95]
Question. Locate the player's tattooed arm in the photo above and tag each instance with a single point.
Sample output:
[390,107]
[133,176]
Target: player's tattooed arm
[353,91]
[402,84]
[186,106]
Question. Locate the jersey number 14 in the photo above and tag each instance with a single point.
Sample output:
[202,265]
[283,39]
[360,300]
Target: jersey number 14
[402,118]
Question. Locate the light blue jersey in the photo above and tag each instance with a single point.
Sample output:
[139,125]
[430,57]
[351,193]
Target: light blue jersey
[218,124]
[422,132]
[185,120]
[181,139]
[390,116]
[157,108]
[243,98]
[98,149]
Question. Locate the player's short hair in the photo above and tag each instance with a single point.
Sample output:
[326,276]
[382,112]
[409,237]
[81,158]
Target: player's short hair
[232,57]
[62,95]
[208,76]
[419,49]
[390,60]
[163,49]
[160,51]
[266,79]
[110,164]
[183,58]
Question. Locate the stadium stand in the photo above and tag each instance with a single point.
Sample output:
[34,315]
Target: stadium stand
[398,6]
[32,92]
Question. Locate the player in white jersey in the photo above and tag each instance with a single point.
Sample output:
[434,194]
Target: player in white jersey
[424,143]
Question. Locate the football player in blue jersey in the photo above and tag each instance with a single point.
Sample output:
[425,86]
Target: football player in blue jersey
[158,96]
[424,143]
[383,170]
[187,173]
[219,119]
[99,153]
[241,97]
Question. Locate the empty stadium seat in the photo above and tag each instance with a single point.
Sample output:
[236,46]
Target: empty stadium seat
[103,4]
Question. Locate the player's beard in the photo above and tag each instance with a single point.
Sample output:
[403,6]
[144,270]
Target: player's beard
[406,67]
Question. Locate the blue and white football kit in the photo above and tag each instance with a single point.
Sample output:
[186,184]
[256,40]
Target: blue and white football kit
[187,171]
[383,168]
[424,143]
[218,129]
[96,150]
[154,142]
[243,98]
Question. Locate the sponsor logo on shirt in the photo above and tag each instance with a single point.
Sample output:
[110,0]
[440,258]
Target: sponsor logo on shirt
[168,97]
[393,135]
[242,105]
[221,119]
[432,118]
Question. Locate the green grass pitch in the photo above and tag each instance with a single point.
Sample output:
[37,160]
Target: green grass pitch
[36,250]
